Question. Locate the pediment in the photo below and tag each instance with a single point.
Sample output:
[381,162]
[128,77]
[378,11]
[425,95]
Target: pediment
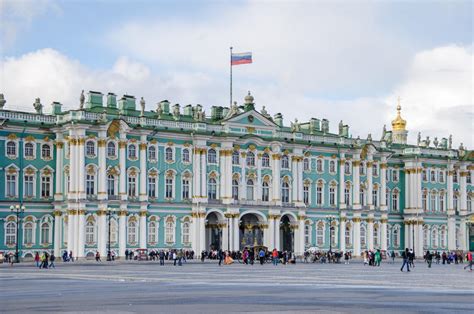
[251,118]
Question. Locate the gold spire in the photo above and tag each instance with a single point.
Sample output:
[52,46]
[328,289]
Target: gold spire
[399,124]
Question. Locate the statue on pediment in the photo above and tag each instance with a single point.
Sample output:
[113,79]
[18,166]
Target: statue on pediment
[2,101]
[427,141]
[418,139]
[233,110]
[341,127]
[450,141]
[38,106]
[369,138]
[265,113]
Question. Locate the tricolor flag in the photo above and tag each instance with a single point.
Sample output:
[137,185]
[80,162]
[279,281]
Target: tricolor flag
[241,58]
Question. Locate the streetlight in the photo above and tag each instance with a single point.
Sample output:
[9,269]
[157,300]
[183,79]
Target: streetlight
[330,219]
[18,210]
[109,215]
[413,222]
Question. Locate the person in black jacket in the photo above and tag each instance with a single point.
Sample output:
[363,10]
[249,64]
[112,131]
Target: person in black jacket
[405,256]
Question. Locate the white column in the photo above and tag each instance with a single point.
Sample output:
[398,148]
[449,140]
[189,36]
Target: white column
[301,222]
[123,171]
[143,242]
[143,170]
[420,251]
[369,182]
[276,182]
[356,239]
[243,180]
[82,167]
[236,231]
[383,186]
[342,184]
[342,234]
[464,236]
[370,233]
[383,232]
[258,183]
[451,232]
[102,190]
[225,236]
[197,175]
[202,231]
[72,169]
[122,232]
[296,178]
[80,234]
[71,228]
[58,223]
[277,232]
[408,191]
[449,181]
[59,193]
[356,187]
[407,234]
[463,190]
[271,231]
[418,180]
[101,233]
[204,174]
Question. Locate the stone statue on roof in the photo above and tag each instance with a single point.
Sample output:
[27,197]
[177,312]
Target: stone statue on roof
[295,126]
[450,141]
[341,126]
[264,112]
[233,110]
[2,101]
[358,141]
[81,100]
[369,138]
[462,150]
[435,142]
[427,141]
[38,106]
[176,113]
[159,109]
[142,107]
[418,139]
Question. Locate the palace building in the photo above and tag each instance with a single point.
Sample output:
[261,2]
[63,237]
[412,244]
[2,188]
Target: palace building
[112,173]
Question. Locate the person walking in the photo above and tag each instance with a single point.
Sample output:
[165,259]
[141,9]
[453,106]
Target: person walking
[392,255]
[377,258]
[52,258]
[220,256]
[175,257]
[97,257]
[162,258]
[275,257]
[469,261]
[411,258]
[37,259]
[71,257]
[429,258]
[405,256]
[261,256]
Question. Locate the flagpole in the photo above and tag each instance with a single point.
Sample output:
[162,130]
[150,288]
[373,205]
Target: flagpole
[231,76]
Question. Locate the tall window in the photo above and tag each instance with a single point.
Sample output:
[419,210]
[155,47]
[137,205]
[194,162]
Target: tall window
[319,195]
[332,234]
[212,189]
[347,236]
[455,202]
[443,237]
[132,232]
[265,160]
[29,186]
[319,165]
[90,234]
[29,150]
[363,237]
[185,156]
[111,150]
[425,237]
[396,237]
[376,236]
[362,169]
[468,178]
[185,189]
[434,237]
[10,233]
[152,187]
[11,185]
[433,202]
[424,175]
[169,230]
[152,232]
[28,233]
[347,196]
[455,177]
[169,187]
[45,230]
[152,152]
[441,201]
[332,196]
[212,156]
[11,149]
[433,176]
[306,194]
[250,189]
[113,231]
[45,151]
[185,230]
[375,170]
[169,154]
[375,197]
[90,149]
[235,190]
[362,197]
[250,159]
[110,185]
[441,176]
[307,235]
[265,192]
[132,151]
[132,186]
[347,168]
[395,201]
[285,164]
[45,186]
[395,175]
[90,184]
[306,164]
[332,166]
[285,192]
[424,201]
[320,234]
[235,158]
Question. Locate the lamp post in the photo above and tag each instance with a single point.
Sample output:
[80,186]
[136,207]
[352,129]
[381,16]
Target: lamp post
[109,216]
[18,210]
[330,219]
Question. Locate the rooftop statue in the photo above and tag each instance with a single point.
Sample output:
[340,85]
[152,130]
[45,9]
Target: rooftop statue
[142,107]
[159,109]
[435,142]
[450,141]
[38,106]
[295,126]
[81,100]
[234,110]
[418,139]
[2,101]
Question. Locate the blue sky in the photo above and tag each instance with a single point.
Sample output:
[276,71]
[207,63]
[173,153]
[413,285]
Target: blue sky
[345,60]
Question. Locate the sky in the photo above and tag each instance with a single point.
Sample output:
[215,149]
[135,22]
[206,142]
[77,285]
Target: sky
[339,60]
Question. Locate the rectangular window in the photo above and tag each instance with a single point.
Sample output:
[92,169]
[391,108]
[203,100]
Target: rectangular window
[319,196]
[332,196]
[90,186]
[185,189]
[110,185]
[169,188]
[45,186]
[152,187]
[11,185]
[395,201]
[29,191]
[132,186]
[395,175]
[306,195]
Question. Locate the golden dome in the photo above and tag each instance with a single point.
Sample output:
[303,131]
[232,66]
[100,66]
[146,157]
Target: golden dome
[399,124]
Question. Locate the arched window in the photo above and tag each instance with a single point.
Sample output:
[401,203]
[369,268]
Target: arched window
[90,149]
[132,232]
[441,176]
[250,194]
[110,185]
[250,159]
[389,238]
[319,194]
[396,237]
[212,189]
[348,235]
[363,237]
[468,177]
[132,151]
[265,160]
[169,154]
[433,202]
[235,190]
[433,176]
[455,201]
[45,151]
[186,238]
[375,170]
[307,235]
[332,195]
[434,237]
[347,195]
[11,149]
[441,201]
[376,236]
[113,231]
[169,182]
[185,156]
[426,237]
[375,197]
[212,156]
[320,234]
[152,152]
[285,192]
[29,190]
[10,233]
[347,168]
[111,150]
[45,229]
[90,233]
[395,201]
[185,189]
[443,237]
[132,185]
[152,186]
[29,150]
[424,175]
[362,195]
[424,204]
[306,164]
[265,192]
[285,164]
[235,158]
[362,169]
[28,233]
[306,194]
[169,230]
[319,165]
[332,166]
[152,234]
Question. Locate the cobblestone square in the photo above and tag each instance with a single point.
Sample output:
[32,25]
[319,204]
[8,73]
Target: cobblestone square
[207,288]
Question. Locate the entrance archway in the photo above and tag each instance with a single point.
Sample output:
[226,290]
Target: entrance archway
[250,230]
[213,231]
[287,233]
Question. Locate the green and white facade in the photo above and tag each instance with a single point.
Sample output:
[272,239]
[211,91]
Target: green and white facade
[178,178]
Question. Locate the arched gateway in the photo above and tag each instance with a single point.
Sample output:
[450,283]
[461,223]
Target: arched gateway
[251,227]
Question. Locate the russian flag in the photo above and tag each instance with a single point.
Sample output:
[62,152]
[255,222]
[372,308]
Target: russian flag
[241,58]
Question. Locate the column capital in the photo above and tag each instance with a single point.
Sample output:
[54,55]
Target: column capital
[143,213]
[57,213]
[122,212]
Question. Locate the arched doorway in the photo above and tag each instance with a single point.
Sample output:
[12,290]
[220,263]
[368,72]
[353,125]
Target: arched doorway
[287,233]
[251,231]
[213,232]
